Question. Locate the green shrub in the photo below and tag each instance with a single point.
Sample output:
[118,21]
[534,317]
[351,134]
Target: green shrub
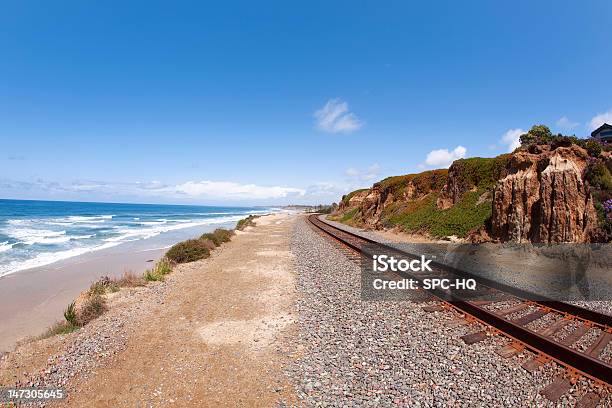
[208,243]
[98,288]
[223,235]
[161,269]
[599,176]
[209,236]
[93,307]
[593,148]
[478,171]
[70,314]
[538,134]
[423,183]
[218,236]
[188,251]
[349,215]
[58,329]
[423,216]
[246,222]
[150,276]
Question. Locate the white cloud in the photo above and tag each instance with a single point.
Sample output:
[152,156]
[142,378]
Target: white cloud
[335,117]
[368,174]
[229,190]
[325,188]
[565,123]
[511,138]
[191,190]
[444,158]
[351,172]
[600,119]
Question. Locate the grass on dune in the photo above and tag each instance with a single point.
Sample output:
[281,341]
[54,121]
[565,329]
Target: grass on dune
[246,222]
[423,216]
[157,273]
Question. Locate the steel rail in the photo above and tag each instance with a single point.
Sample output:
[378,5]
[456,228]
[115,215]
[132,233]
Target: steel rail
[594,368]
[595,317]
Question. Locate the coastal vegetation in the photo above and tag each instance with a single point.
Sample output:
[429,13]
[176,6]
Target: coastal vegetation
[157,273]
[188,251]
[218,236]
[92,303]
[246,222]
[460,201]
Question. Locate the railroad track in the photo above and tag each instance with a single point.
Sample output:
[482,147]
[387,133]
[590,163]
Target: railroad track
[499,319]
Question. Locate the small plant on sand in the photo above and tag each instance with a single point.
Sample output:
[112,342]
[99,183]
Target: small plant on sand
[150,276]
[129,280]
[188,251]
[92,308]
[218,236]
[161,269]
[211,237]
[246,222]
[208,243]
[222,235]
[59,328]
[70,314]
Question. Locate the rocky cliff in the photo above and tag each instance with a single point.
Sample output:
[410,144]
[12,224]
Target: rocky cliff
[544,198]
[539,193]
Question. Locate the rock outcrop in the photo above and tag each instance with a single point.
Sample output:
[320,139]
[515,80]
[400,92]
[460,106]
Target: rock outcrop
[535,195]
[544,198]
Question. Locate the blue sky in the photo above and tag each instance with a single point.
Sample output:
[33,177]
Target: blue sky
[282,102]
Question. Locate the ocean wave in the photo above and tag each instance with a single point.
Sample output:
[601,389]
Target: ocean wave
[61,230]
[31,236]
[132,234]
[89,219]
[47,258]
[5,246]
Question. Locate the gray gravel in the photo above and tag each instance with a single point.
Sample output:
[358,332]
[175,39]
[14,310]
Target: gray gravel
[500,273]
[358,353]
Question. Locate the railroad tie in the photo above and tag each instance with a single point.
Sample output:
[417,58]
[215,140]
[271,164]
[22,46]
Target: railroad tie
[589,400]
[434,308]
[528,318]
[599,345]
[532,365]
[575,335]
[555,327]
[510,350]
[459,321]
[556,389]
[513,309]
[480,302]
[474,337]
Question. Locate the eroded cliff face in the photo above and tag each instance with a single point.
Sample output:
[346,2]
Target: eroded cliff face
[537,196]
[544,198]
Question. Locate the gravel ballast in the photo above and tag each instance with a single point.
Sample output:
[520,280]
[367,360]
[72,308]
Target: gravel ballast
[374,353]
[501,271]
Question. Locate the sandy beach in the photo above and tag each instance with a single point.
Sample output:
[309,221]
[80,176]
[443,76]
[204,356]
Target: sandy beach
[34,299]
[212,334]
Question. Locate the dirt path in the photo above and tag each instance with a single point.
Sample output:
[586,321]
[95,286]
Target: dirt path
[215,339]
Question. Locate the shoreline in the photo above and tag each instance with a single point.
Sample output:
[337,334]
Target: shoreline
[32,300]
[216,331]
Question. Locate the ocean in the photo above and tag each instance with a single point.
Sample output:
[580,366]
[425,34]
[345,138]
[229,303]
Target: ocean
[39,233]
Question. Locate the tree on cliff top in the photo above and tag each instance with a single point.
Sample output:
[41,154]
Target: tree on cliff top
[538,134]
